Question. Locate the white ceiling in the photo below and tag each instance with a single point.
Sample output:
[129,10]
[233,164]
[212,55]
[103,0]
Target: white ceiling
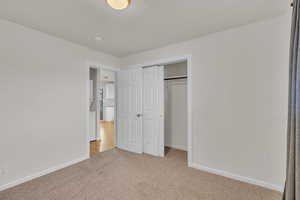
[146,24]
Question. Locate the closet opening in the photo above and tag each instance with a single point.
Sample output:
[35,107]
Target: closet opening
[175,107]
[154,109]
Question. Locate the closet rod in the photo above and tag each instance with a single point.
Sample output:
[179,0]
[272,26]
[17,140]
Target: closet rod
[178,77]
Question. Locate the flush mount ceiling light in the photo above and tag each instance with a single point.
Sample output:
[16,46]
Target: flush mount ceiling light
[118,4]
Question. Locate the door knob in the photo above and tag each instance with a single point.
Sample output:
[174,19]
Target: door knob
[139,115]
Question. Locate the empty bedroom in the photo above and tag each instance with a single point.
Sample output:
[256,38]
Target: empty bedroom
[149,99]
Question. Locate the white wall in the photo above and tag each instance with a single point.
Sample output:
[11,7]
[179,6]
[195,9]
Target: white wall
[239,104]
[177,69]
[43,104]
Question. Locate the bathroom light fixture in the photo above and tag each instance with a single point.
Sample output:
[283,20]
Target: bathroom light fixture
[118,4]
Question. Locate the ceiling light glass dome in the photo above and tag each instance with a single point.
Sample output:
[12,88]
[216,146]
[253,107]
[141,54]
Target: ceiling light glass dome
[118,4]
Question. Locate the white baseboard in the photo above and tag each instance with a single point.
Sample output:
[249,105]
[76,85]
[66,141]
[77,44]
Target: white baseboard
[42,173]
[238,177]
[179,147]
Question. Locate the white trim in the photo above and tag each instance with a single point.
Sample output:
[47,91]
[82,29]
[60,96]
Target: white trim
[165,61]
[87,116]
[173,60]
[175,146]
[115,69]
[98,65]
[42,173]
[238,177]
[189,114]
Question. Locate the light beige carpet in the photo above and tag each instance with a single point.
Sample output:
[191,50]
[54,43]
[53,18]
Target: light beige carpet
[119,175]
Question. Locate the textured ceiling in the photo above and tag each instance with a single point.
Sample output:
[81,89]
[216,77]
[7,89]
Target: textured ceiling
[146,24]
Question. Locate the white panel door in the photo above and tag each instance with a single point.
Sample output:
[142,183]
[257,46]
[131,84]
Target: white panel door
[153,110]
[129,110]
